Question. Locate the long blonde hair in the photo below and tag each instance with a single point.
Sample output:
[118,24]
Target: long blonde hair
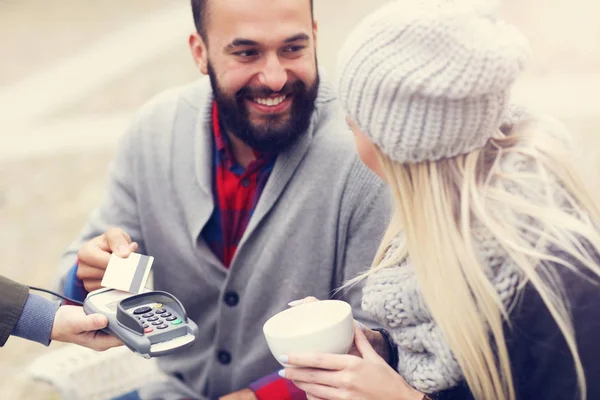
[436,206]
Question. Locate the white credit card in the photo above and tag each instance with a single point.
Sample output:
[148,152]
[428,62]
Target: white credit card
[129,274]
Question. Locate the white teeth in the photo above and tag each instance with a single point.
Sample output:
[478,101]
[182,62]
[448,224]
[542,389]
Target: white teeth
[269,101]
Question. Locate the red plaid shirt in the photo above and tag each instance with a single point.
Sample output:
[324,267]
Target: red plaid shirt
[236,193]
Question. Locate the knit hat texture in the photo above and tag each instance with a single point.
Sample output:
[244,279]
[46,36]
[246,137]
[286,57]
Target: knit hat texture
[430,79]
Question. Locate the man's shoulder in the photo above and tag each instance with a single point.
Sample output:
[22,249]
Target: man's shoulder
[331,128]
[333,150]
[167,116]
[165,106]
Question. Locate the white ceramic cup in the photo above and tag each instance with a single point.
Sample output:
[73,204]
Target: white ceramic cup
[317,327]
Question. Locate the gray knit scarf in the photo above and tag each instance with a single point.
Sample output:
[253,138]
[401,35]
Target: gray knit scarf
[392,296]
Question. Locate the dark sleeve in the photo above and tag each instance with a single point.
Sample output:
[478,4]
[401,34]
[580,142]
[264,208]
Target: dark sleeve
[543,366]
[12,300]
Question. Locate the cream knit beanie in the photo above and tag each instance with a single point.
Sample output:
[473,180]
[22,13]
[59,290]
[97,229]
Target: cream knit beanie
[429,79]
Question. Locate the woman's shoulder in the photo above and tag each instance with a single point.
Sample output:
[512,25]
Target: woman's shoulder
[570,281]
[542,362]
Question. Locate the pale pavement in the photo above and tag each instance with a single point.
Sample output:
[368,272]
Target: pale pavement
[60,121]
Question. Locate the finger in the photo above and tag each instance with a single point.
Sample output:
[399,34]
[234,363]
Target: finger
[311,375]
[118,241]
[77,323]
[92,322]
[332,362]
[320,391]
[308,299]
[363,345]
[91,285]
[133,246]
[86,272]
[94,253]
[311,397]
[101,341]
[360,325]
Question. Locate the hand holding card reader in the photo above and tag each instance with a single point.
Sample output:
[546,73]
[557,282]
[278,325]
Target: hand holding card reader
[151,324]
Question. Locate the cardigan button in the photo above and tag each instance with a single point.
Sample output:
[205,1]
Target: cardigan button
[224,357]
[232,299]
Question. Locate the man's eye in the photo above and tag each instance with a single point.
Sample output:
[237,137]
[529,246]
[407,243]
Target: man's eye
[246,53]
[293,49]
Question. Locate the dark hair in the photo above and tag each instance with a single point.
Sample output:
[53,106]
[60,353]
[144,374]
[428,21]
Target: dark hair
[199,13]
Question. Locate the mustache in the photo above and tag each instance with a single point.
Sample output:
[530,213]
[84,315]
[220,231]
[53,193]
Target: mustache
[263,91]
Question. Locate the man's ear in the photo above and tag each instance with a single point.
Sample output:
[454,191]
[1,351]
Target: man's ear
[199,52]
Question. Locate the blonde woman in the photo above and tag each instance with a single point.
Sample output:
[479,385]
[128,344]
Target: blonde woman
[487,278]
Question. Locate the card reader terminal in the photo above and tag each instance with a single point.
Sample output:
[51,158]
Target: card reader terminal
[151,324]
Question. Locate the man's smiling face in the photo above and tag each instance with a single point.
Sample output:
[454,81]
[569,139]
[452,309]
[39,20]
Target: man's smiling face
[261,59]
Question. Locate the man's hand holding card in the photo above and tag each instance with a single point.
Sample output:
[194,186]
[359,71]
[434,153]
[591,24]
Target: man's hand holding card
[94,256]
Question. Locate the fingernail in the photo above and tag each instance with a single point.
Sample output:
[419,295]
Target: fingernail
[123,250]
[294,303]
[99,321]
[283,358]
[282,373]
[360,326]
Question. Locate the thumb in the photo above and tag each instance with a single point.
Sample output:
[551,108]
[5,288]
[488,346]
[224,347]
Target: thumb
[118,241]
[309,299]
[93,322]
[363,345]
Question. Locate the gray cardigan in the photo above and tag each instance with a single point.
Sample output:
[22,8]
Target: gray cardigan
[318,223]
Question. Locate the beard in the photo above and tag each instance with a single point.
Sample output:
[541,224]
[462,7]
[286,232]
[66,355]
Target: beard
[276,133]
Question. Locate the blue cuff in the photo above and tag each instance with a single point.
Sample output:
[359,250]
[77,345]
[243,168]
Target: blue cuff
[74,286]
[36,320]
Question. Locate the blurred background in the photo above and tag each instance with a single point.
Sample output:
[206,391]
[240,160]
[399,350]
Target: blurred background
[73,72]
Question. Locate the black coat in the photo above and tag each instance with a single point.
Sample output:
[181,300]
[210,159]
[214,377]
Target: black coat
[12,300]
[541,362]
